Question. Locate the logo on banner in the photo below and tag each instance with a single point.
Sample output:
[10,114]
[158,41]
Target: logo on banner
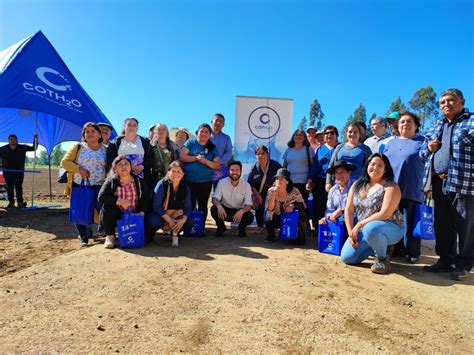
[264,122]
[56,85]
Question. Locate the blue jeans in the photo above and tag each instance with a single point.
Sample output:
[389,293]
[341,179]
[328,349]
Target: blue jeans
[373,240]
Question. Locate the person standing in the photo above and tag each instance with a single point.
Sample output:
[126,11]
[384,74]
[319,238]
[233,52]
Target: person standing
[378,126]
[298,159]
[449,169]
[315,138]
[106,130]
[232,201]
[317,176]
[13,158]
[403,153]
[200,158]
[223,144]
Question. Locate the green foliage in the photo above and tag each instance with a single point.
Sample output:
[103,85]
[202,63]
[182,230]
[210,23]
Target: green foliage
[397,105]
[425,105]
[302,124]
[316,115]
[43,158]
[56,155]
[360,114]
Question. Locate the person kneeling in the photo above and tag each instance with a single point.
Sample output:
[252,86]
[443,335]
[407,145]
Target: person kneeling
[121,191]
[232,201]
[283,197]
[171,204]
[375,198]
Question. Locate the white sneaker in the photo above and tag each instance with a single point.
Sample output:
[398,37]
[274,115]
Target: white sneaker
[109,242]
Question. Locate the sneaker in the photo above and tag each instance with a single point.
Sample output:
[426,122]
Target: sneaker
[109,242]
[381,265]
[412,259]
[83,243]
[459,274]
[438,267]
[22,205]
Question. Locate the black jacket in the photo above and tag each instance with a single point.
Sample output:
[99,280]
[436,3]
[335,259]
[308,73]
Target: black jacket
[107,192]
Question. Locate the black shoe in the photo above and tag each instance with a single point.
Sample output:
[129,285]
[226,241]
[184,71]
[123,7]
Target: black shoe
[22,205]
[242,234]
[220,232]
[438,267]
[270,239]
[459,274]
[11,205]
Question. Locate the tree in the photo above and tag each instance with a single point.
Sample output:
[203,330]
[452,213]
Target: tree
[56,155]
[397,106]
[43,158]
[302,124]
[360,114]
[425,105]
[316,115]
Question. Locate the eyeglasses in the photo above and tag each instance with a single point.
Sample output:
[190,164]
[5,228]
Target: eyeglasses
[329,133]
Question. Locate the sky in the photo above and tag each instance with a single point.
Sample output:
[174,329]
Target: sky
[179,62]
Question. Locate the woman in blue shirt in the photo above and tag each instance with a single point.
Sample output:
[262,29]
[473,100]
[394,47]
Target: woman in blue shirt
[403,153]
[353,152]
[201,159]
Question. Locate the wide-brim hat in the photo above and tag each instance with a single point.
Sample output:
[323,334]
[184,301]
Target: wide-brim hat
[341,164]
[282,172]
[174,132]
[105,124]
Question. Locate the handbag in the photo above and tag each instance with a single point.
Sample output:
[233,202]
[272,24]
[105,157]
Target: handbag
[131,230]
[331,237]
[197,225]
[289,225]
[424,222]
[81,209]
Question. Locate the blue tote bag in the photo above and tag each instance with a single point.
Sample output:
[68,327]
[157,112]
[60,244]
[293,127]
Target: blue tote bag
[197,228]
[289,225]
[81,209]
[424,223]
[131,230]
[331,237]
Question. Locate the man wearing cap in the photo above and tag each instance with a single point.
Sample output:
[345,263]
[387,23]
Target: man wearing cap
[337,196]
[449,173]
[13,156]
[378,126]
[315,138]
[224,147]
[392,127]
[106,130]
[232,201]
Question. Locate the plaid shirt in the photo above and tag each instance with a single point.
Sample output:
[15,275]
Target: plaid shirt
[128,191]
[461,162]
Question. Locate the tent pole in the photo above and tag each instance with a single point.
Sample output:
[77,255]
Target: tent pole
[34,163]
[50,188]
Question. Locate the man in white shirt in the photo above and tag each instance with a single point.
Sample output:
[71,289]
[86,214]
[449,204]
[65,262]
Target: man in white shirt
[378,126]
[232,201]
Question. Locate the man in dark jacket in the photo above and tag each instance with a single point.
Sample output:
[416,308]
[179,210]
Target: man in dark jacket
[13,157]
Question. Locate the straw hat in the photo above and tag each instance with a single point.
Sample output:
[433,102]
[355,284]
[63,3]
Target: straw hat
[174,132]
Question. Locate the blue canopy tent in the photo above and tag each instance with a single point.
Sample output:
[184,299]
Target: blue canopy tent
[38,94]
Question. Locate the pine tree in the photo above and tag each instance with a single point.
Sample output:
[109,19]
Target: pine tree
[425,105]
[316,115]
[56,155]
[397,106]
[302,124]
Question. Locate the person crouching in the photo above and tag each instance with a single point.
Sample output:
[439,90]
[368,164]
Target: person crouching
[121,191]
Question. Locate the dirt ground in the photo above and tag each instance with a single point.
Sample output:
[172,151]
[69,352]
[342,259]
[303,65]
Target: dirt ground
[229,295]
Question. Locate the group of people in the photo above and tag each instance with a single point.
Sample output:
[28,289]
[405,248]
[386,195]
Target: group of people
[372,186]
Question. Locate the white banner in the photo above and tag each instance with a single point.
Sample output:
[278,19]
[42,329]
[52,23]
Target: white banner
[261,121]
